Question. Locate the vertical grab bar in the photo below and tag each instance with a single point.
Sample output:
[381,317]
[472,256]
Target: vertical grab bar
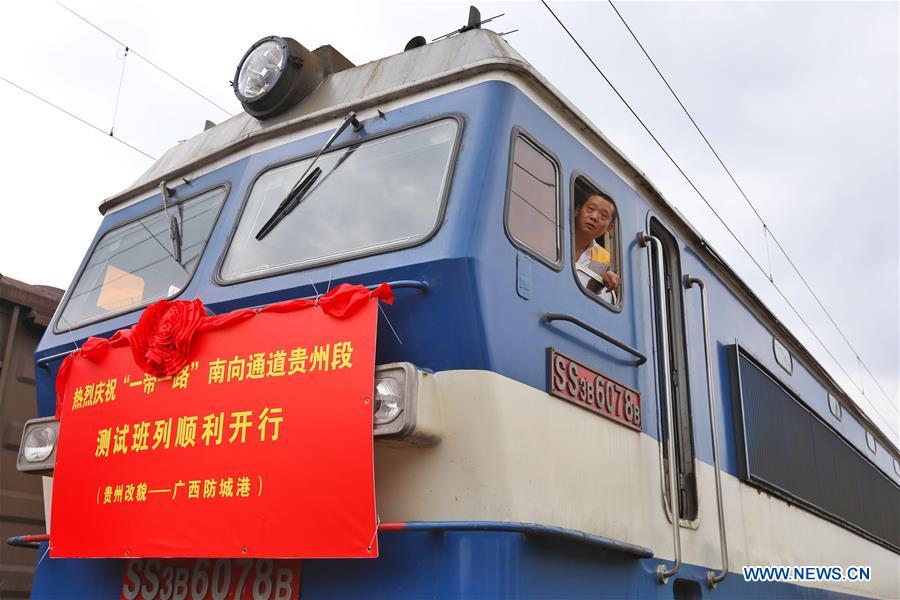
[662,573]
[712,578]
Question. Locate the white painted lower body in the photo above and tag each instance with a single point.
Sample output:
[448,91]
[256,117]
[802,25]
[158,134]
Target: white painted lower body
[510,452]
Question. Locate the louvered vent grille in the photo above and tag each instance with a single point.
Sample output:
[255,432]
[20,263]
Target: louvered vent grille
[791,452]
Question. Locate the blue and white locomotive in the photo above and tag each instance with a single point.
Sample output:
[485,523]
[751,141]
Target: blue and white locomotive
[532,438]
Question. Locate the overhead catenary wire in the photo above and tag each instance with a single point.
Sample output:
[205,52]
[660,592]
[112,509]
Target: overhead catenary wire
[767,230]
[650,133]
[887,422]
[677,99]
[146,60]
[768,252]
[76,117]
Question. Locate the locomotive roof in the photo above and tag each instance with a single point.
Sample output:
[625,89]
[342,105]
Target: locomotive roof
[451,60]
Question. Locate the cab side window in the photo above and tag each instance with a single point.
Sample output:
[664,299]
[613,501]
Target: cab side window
[533,206]
[596,248]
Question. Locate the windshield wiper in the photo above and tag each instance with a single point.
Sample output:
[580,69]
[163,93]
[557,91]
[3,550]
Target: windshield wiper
[307,193]
[302,191]
[174,230]
[289,203]
[305,181]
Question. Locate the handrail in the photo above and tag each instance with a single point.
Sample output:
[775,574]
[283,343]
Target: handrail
[662,572]
[45,361]
[712,578]
[404,284]
[534,529]
[28,541]
[395,285]
[550,317]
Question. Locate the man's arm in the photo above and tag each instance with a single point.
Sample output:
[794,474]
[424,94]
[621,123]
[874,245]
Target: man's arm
[606,278]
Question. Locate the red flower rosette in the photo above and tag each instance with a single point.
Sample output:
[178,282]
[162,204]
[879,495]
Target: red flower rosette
[161,339]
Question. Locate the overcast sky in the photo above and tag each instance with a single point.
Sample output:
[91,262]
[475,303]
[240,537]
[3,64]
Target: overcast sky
[799,99]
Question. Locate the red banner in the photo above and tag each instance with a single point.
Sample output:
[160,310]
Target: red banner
[258,445]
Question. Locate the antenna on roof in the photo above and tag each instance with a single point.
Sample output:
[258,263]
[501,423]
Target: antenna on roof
[474,22]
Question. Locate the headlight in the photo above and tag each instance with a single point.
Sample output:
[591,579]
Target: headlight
[388,401]
[37,452]
[39,444]
[394,402]
[274,75]
[261,69]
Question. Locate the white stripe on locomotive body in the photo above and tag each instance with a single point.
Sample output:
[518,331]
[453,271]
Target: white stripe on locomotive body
[510,452]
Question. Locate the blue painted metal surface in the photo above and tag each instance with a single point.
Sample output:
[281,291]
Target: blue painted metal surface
[451,564]
[528,529]
[61,579]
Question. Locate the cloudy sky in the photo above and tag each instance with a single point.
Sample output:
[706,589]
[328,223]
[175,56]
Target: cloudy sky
[799,99]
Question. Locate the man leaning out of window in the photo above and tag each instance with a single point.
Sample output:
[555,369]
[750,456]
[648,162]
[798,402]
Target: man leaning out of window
[594,216]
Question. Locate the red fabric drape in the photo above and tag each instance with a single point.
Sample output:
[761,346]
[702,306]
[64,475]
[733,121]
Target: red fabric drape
[161,339]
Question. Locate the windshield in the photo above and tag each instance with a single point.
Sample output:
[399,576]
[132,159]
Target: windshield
[133,265]
[370,197]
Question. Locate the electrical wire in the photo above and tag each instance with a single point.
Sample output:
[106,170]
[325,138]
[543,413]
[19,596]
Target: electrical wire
[145,59]
[650,133]
[718,216]
[76,117]
[697,127]
[112,128]
[767,229]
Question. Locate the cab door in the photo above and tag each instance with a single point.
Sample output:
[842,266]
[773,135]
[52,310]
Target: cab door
[670,337]
[675,428]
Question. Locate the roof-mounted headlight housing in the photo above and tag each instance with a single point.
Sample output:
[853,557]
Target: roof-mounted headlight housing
[37,452]
[274,75]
